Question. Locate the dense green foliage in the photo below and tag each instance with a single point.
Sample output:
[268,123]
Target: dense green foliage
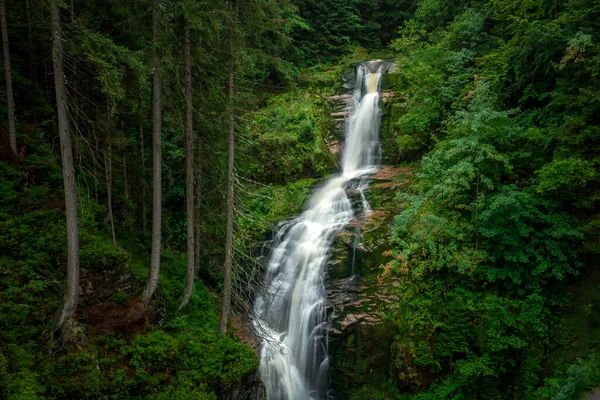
[119,349]
[504,212]
[333,28]
[288,138]
[186,357]
[495,249]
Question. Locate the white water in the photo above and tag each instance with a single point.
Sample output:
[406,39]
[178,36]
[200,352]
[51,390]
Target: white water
[290,314]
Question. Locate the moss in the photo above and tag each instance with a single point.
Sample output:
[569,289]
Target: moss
[360,359]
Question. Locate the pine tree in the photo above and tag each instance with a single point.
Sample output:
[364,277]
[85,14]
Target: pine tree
[68,308]
[156,161]
[10,100]
[230,162]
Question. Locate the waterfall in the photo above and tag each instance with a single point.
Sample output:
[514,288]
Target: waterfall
[289,315]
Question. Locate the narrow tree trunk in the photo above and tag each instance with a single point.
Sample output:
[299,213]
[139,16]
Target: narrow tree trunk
[198,197]
[189,172]
[477,210]
[143,163]
[108,175]
[75,92]
[125,182]
[69,305]
[156,162]
[229,225]
[128,208]
[198,189]
[30,50]
[95,165]
[12,127]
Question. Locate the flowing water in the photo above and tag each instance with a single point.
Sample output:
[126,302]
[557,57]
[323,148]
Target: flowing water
[290,314]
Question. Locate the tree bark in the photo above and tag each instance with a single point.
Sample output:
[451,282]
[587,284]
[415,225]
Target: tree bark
[198,189]
[189,172]
[30,50]
[10,99]
[69,305]
[198,197]
[143,163]
[156,161]
[108,175]
[127,211]
[229,225]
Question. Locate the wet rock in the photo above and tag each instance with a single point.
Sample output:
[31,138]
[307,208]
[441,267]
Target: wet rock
[250,388]
[360,338]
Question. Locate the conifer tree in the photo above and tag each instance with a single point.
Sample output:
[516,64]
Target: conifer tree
[10,100]
[156,160]
[68,308]
[230,161]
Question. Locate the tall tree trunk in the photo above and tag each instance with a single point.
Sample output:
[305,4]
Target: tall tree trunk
[12,127]
[75,92]
[198,197]
[143,163]
[229,225]
[30,50]
[198,189]
[477,210]
[108,175]
[189,172]
[69,305]
[156,161]
[95,165]
[128,209]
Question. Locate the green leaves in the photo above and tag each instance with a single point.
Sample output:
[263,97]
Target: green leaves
[564,175]
[496,221]
[288,139]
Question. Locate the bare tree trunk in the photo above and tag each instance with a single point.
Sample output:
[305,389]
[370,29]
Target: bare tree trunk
[125,182]
[189,172]
[69,305]
[30,50]
[108,175]
[75,92]
[95,165]
[143,180]
[156,162]
[12,127]
[127,210]
[198,189]
[229,225]
[477,210]
[198,197]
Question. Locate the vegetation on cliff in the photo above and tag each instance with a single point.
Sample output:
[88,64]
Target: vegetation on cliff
[493,252]
[497,245]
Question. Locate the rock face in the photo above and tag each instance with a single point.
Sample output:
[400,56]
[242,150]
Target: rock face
[392,104]
[359,336]
[250,388]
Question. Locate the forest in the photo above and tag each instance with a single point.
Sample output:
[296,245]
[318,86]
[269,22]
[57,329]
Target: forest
[151,152]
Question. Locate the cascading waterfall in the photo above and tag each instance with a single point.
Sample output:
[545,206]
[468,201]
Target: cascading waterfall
[290,314]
